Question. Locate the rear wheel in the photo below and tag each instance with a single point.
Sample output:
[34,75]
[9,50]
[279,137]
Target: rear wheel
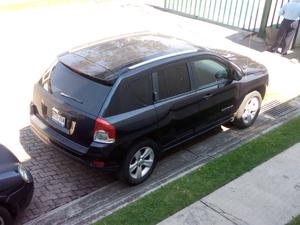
[248,110]
[139,162]
[5,217]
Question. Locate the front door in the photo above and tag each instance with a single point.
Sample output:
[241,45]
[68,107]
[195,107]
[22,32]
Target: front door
[211,79]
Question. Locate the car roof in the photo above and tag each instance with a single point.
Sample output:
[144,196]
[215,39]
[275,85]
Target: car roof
[106,59]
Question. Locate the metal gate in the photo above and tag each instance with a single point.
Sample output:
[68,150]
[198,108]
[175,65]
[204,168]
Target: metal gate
[245,14]
[274,19]
[251,15]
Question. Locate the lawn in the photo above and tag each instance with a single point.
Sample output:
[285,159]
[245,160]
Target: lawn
[175,196]
[295,221]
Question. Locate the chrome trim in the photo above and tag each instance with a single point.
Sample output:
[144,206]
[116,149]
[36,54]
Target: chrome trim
[161,57]
[227,108]
[72,128]
[55,110]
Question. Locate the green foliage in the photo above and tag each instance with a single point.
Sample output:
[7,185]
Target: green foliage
[295,221]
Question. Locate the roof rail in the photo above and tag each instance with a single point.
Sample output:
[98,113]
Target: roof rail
[161,57]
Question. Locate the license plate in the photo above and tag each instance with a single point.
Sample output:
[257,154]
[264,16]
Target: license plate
[56,117]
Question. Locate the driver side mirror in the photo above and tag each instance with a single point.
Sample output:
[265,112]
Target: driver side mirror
[235,75]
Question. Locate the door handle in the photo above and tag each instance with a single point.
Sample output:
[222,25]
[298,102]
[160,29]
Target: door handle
[155,96]
[207,96]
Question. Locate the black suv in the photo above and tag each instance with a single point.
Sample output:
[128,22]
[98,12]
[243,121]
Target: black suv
[119,103]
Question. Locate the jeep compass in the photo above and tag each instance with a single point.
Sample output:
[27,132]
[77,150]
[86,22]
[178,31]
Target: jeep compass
[119,103]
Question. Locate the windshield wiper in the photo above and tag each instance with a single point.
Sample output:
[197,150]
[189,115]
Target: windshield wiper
[70,97]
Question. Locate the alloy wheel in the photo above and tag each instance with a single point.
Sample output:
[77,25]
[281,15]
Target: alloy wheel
[141,163]
[251,109]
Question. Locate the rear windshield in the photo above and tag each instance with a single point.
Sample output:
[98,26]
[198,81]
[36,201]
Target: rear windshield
[77,90]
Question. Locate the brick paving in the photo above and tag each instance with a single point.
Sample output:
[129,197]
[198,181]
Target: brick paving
[58,178]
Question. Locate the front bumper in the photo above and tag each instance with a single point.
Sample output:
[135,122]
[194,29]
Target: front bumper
[86,155]
[21,198]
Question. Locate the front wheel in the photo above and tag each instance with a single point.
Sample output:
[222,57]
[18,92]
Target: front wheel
[248,110]
[139,162]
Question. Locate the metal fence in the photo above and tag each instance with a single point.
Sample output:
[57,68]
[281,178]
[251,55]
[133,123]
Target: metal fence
[274,18]
[244,14]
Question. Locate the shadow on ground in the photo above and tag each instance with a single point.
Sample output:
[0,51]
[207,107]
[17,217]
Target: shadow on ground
[250,40]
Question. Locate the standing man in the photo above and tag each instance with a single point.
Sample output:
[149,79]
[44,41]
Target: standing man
[287,30]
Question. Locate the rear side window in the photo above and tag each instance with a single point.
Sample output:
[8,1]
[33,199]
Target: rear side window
[206,72]
[131,94]
[173,80]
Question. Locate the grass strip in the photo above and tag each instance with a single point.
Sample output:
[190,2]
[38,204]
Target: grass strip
[295,221]
[177,195]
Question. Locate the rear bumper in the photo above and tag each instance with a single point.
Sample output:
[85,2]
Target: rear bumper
[86,155]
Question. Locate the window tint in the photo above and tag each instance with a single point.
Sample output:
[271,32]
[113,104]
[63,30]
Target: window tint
[89,95]
[131,94]
[173,80]
[207,72]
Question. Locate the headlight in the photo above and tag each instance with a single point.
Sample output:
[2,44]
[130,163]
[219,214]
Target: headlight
[24,173]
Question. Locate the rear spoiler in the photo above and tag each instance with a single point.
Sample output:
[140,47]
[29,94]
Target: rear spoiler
[92,70]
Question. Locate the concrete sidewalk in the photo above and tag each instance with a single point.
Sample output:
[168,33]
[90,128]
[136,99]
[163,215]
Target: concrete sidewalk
[267,195]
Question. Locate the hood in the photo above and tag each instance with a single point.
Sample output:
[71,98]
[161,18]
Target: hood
[9,177]
[7,160]
[6,157]
[246,64]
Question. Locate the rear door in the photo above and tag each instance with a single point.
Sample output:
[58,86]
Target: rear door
[217,92]
[175,103]
[69,103]
[130,109]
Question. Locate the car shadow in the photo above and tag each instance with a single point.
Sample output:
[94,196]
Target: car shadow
[195,141]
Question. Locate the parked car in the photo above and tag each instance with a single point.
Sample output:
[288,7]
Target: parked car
[121,102]
[16,186]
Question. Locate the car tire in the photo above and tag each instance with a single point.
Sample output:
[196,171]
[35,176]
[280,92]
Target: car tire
[248,110]
[139,162]
[5,217]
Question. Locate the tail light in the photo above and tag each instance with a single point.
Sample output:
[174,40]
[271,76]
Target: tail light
[104,132]
[98,164]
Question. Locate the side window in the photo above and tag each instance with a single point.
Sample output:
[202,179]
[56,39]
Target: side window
[207,72]
[131,94]
[173,80]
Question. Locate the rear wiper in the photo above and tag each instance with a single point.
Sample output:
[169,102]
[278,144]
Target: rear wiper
[70,97]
